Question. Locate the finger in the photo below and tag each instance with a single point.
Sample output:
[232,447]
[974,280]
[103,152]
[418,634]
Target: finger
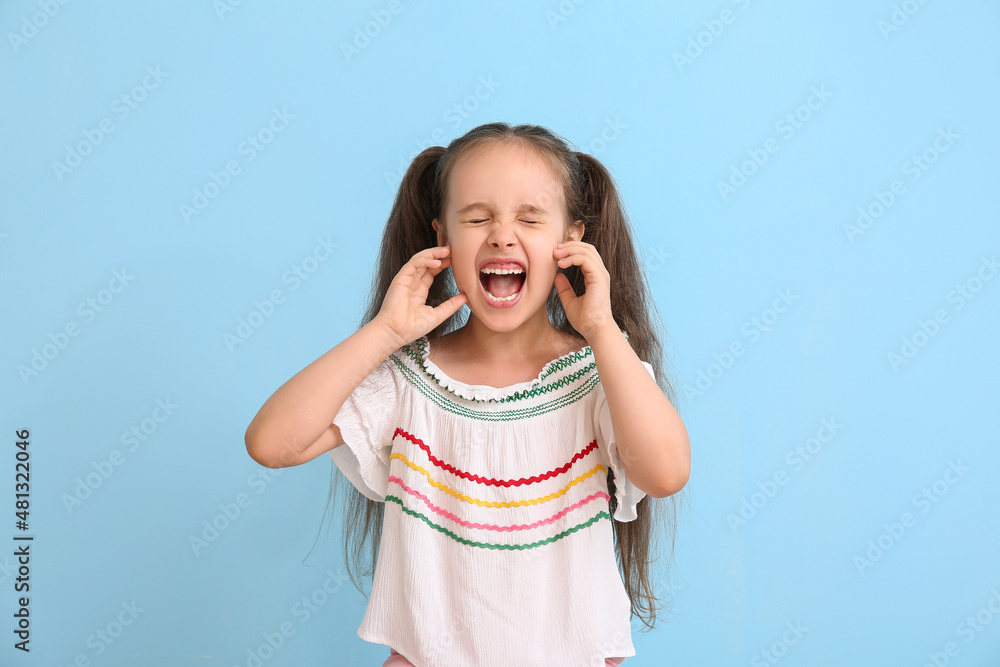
[415,271]
[437,251]
[417,265]
[429,256]
[424,264]
[576,248]
[589,262]
[567,245]
[574,257]
[432,268]
[437,259]
[432,265]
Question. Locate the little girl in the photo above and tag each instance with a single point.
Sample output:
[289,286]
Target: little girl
[503,469]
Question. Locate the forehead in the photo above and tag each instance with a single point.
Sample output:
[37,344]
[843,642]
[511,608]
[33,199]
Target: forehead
[507,177]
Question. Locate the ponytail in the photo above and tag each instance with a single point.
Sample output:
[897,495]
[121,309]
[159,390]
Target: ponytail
[408,231]
[609,231]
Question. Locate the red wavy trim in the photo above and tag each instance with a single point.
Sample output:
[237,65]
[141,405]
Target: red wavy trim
[489,480]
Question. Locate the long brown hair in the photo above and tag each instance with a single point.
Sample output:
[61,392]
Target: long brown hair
[591,196]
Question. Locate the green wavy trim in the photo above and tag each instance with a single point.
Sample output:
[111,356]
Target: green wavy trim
[486,545]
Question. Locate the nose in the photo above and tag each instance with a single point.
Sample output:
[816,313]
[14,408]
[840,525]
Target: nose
[501,235]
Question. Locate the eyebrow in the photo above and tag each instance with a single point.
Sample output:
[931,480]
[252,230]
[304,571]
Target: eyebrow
[523,208]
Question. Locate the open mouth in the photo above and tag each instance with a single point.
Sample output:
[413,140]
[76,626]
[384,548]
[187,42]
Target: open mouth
[502,285]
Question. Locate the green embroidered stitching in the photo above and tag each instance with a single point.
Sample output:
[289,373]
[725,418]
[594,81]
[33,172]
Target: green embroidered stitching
[555,366]
[509,415]
[538,391]
[597,517]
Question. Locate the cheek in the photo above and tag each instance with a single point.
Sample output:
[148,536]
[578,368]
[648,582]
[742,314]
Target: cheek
[544,265]
[463,261]
[547,277]
[466,275]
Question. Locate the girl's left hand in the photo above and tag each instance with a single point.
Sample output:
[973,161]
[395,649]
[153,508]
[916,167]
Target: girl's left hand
[592,311]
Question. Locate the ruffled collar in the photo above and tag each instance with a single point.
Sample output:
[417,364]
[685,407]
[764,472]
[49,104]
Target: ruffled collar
[482,392]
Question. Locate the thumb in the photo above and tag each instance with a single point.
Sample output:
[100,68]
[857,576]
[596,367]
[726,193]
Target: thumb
[448,308]
[564,288]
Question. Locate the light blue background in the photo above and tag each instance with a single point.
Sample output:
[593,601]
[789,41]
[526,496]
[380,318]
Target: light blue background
[714,264]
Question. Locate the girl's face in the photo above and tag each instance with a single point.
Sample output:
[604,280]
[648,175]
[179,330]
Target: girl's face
[505,212]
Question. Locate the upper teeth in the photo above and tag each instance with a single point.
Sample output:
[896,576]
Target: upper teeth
[502,272]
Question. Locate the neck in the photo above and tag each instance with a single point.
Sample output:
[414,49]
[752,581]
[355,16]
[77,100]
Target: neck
[523,342]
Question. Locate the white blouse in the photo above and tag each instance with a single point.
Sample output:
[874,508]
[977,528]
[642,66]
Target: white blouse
[497,545]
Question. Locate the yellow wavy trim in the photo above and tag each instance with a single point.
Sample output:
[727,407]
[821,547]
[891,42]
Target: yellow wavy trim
[487,503]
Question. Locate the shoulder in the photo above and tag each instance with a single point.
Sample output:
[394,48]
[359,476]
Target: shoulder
[387,374]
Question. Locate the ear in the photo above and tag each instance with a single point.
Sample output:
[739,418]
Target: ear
[442,236]
[575,232]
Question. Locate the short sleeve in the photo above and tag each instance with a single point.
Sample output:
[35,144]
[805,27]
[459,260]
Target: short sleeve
[627,494]
[367,423]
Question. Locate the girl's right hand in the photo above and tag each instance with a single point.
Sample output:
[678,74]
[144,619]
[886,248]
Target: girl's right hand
[404,311]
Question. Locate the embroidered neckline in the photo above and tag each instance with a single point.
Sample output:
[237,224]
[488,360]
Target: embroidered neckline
[481,392]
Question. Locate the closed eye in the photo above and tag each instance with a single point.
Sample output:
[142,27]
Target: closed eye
[531,222]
